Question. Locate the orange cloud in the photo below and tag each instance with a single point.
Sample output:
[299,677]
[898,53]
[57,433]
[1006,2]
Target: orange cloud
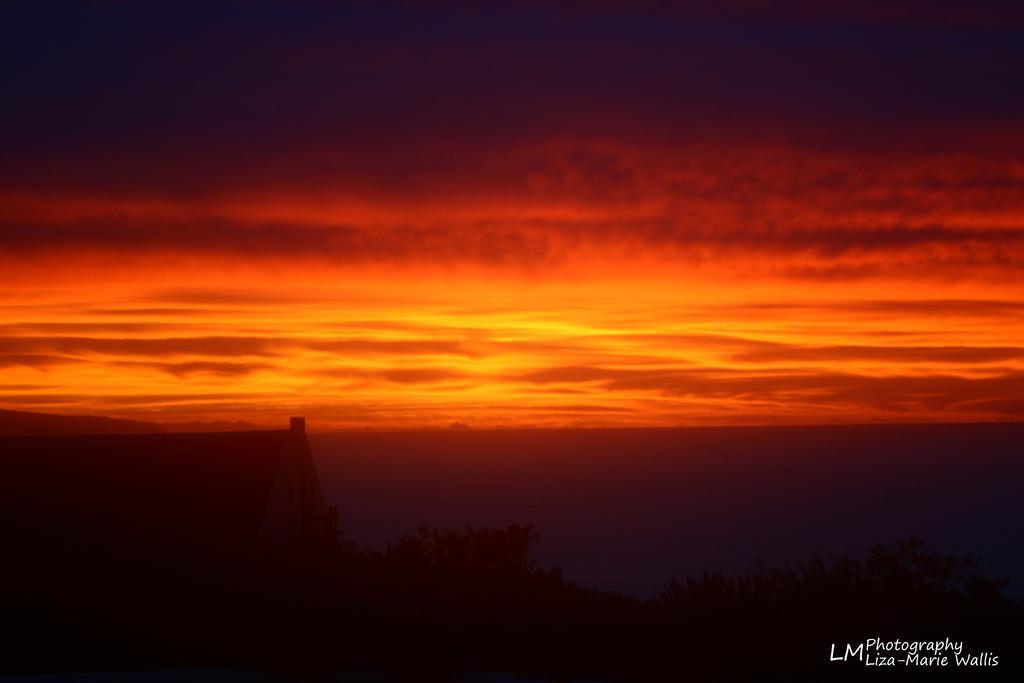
[562,284]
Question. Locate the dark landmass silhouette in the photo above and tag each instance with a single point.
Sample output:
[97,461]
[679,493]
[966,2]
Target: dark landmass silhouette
[22,423]
[138,552]
[200,426]
[26,423]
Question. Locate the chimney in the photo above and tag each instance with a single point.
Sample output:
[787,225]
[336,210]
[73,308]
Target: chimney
[298,425]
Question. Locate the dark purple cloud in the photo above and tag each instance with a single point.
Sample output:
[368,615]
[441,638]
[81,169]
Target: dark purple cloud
[186,96]
[836,253]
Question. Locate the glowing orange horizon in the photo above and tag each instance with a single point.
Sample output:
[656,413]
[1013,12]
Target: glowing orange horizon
[680,291]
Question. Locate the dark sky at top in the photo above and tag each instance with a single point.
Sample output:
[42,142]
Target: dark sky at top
[133,81]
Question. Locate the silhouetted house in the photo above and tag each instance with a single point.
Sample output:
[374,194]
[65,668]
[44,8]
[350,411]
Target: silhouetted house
[153,528]
[223,491]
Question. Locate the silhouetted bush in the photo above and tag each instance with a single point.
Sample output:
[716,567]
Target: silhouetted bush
[786,618]
[451,601]
[437,603]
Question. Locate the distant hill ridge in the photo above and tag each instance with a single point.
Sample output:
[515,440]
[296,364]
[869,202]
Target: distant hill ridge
[24,423]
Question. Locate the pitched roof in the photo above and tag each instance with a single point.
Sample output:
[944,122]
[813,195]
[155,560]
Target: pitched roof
[166,490]
[22,423]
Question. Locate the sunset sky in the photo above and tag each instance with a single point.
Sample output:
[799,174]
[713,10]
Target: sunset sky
[513,214]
